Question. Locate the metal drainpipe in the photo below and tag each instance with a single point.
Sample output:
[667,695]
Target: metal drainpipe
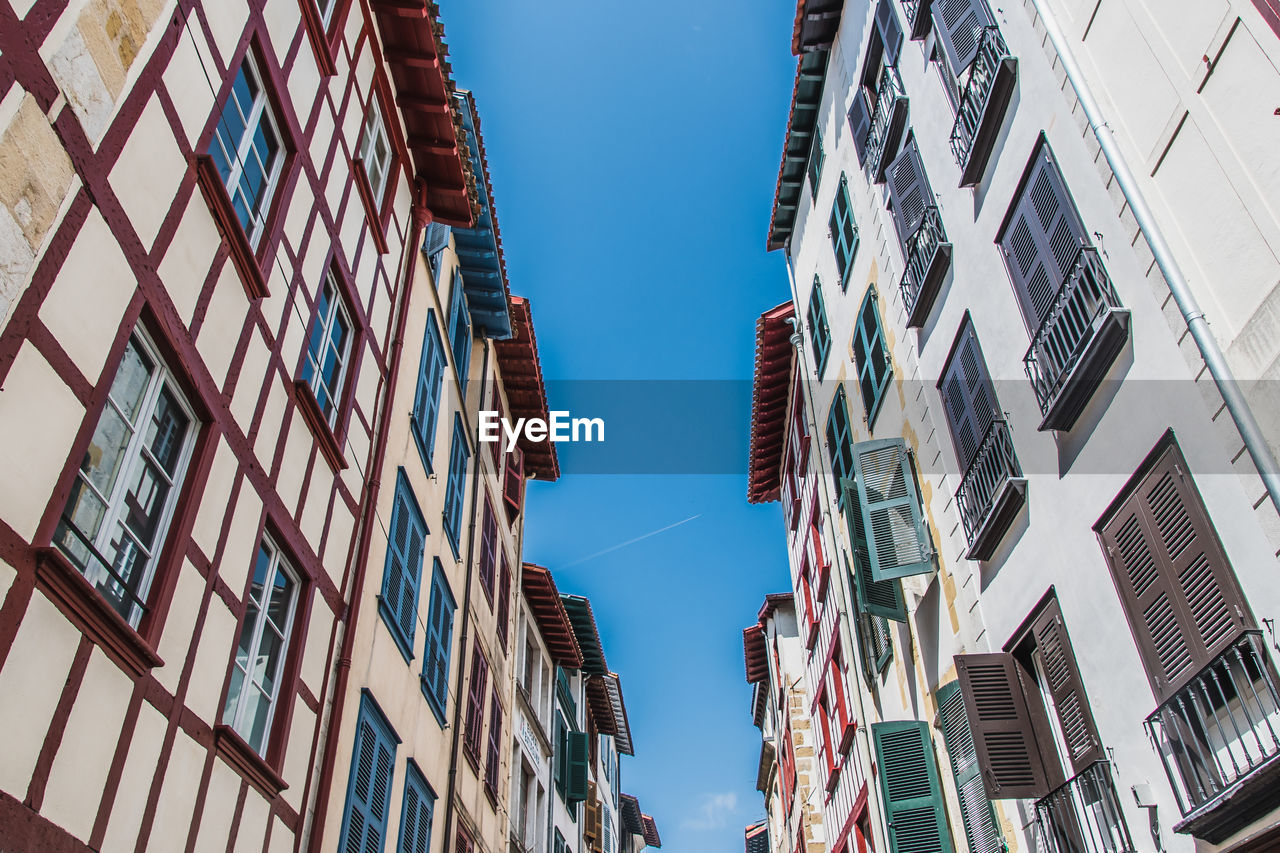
[1254,441]
[466,604]
[797,342]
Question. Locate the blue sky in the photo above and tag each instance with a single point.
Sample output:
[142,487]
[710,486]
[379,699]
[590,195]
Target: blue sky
[633,150]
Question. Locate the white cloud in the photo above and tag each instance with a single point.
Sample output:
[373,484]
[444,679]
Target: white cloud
[713,813]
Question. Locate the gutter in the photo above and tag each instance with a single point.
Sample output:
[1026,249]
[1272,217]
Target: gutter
[1254,441]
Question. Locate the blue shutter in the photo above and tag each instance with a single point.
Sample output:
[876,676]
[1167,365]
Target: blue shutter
[897,539]
[840,437]
[437,239]
[818,329]
[364,820]
[459,330]
[435,660]
[426,403]
[879,599]
[456,488]
[402,577]
[417,813]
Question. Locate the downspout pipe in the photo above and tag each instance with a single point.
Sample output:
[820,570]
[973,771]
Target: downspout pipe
[1254,441]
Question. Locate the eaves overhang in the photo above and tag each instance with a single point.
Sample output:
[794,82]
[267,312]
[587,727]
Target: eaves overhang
[774,355]
[755,651]
[584,628]
[651,837]
[806,98]
[548,612]
[526,390]
[629,807]
[622,726]
[817,22]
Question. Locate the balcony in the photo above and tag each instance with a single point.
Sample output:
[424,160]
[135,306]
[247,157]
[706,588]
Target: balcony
[982,105]
[1084,816]
[928,256]
[1083,332]
[918,14]
[991,492]
[888,120]
[1219,740]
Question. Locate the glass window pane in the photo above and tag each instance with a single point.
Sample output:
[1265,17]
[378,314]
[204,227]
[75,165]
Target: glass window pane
[233,696]
[257,715]
[281,596]
[145,501]
[132,378]
[266,663]
[105,453]
[168,429]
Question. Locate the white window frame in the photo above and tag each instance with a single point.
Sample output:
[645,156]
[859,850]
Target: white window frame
[326,8]
[259,112]
[131,458]
[374,130]
[315,361]
[236,718]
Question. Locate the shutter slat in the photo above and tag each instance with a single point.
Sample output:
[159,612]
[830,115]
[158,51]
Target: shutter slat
[897,540]
[976,812]
[1070,701]
[878,598]
[969,396]
[911,788]
[860,123]
[909,191]
[1003,738]
[959,26]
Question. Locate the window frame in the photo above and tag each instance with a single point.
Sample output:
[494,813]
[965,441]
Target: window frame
[473,723]
[375,121]
[813,168]
[840,441]
[335,421]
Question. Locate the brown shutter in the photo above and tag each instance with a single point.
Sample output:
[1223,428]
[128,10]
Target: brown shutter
[1003,737]
[1179,592]
[1066,689]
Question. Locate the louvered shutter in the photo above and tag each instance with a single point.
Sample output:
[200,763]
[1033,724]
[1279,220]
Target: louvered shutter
[860,123]
[911,788]
[877,598]
[959,26]
[504,601]
[437,238]
[493,754]
[890,31]
[591,817]
[1179,591]
[475,700]
[968,395]
[579,766]
[464,844]
[1075,717]
[908,191]
[433,655]
[1003,737]
[369,790]
[1043,238]
[513,483]
[488,550]
[976,812]
[897,540]
[427,399]
[413,551]
[416,818]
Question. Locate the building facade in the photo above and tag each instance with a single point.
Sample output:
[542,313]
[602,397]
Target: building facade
[997,411]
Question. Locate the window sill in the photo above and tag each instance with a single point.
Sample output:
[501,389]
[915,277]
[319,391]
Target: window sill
[245,761]
[84,607]
[404,644]
[318,38]
[310,409]
[242,256]
[371,212]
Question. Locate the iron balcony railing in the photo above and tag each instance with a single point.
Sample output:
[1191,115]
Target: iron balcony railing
[1221,726]
[977,92]
[993,464]
[1084,816]
[888,91]
[919,252]
[1073,318]
[911,7]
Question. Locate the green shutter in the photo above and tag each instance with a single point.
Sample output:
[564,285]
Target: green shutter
[979,817]
[911,789]
[876,598]
[897,539]
[579,766]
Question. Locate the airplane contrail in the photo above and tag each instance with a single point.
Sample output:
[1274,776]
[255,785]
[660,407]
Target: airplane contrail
[631,541]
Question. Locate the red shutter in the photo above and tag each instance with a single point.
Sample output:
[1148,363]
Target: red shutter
[495,447]
[495,745]
[1179,592]
[488,550]
[464,844]
[1003,737]
[513,484]
[475,701]
[1065,687]
[822,566]
[504,601]
[840,686]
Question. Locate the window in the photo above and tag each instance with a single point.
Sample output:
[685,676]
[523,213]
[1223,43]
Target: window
[489,546]
[969,398]
[375,149]
[578,767]
[496,447]
[959,25]
[878,600]
[426,401]
[433,246]
[494,752]
[457,486]
[465,844]
[247,149]
[909,193]
[460,330]
[513,484]
[844,233]
[265,633]
[910,788]
[435,658]
[860,123]
[561,760]
[326,7]
[416,814]
[324,368]
[840,437]
[815,164]
[897,539]
[981,828]
[122,498]
[504,601]
[818,330]
[560,845]
[402,576]
[364,818]
[473,734]
[870,357]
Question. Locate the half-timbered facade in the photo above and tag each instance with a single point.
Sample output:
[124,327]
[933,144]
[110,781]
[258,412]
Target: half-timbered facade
[212,215]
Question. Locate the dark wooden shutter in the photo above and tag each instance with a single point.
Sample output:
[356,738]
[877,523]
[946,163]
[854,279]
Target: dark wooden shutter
[890,32]
[464,843]
[898,542]
[860,123]
[908,191]
[959,25]
[1179,592]
[1043,238]
[493,755]
[968,395]
[979,818]
[877,598]
[912,791]
[1062,675]
[1003,736]
[579,765]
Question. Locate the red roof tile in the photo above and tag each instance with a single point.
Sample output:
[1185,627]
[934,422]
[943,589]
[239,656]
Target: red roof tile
[769,402]
[553,622]
[526,391]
